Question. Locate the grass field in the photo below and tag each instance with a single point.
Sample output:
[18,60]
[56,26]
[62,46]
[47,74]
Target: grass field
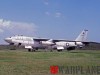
[20,62]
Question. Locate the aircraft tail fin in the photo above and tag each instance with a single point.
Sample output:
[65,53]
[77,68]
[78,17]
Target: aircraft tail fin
[82,36]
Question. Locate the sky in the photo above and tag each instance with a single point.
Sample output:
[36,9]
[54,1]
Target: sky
[56,19]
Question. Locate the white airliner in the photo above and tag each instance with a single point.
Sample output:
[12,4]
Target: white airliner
[32,43]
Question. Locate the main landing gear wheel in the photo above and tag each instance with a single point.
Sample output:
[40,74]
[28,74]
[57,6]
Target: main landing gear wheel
[29,50]
[59,50]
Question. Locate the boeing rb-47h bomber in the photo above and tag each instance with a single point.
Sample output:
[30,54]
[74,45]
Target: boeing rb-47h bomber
[32,43]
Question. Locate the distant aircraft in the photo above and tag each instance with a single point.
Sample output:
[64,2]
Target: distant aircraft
[33,43]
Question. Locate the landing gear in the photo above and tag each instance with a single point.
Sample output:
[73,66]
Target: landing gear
[59,50]
[31,50]
[71,48]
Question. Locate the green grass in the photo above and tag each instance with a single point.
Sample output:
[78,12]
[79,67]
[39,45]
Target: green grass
[19,62]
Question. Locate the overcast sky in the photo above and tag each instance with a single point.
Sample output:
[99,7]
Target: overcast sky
[56,19]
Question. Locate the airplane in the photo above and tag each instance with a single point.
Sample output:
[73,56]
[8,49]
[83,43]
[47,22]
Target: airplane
[33,43]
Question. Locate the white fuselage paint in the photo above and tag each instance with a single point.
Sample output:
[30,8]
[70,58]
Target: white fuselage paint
[29,41]
[66,44]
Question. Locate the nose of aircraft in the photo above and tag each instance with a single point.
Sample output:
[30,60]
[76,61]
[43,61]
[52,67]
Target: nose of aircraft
[9,40]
